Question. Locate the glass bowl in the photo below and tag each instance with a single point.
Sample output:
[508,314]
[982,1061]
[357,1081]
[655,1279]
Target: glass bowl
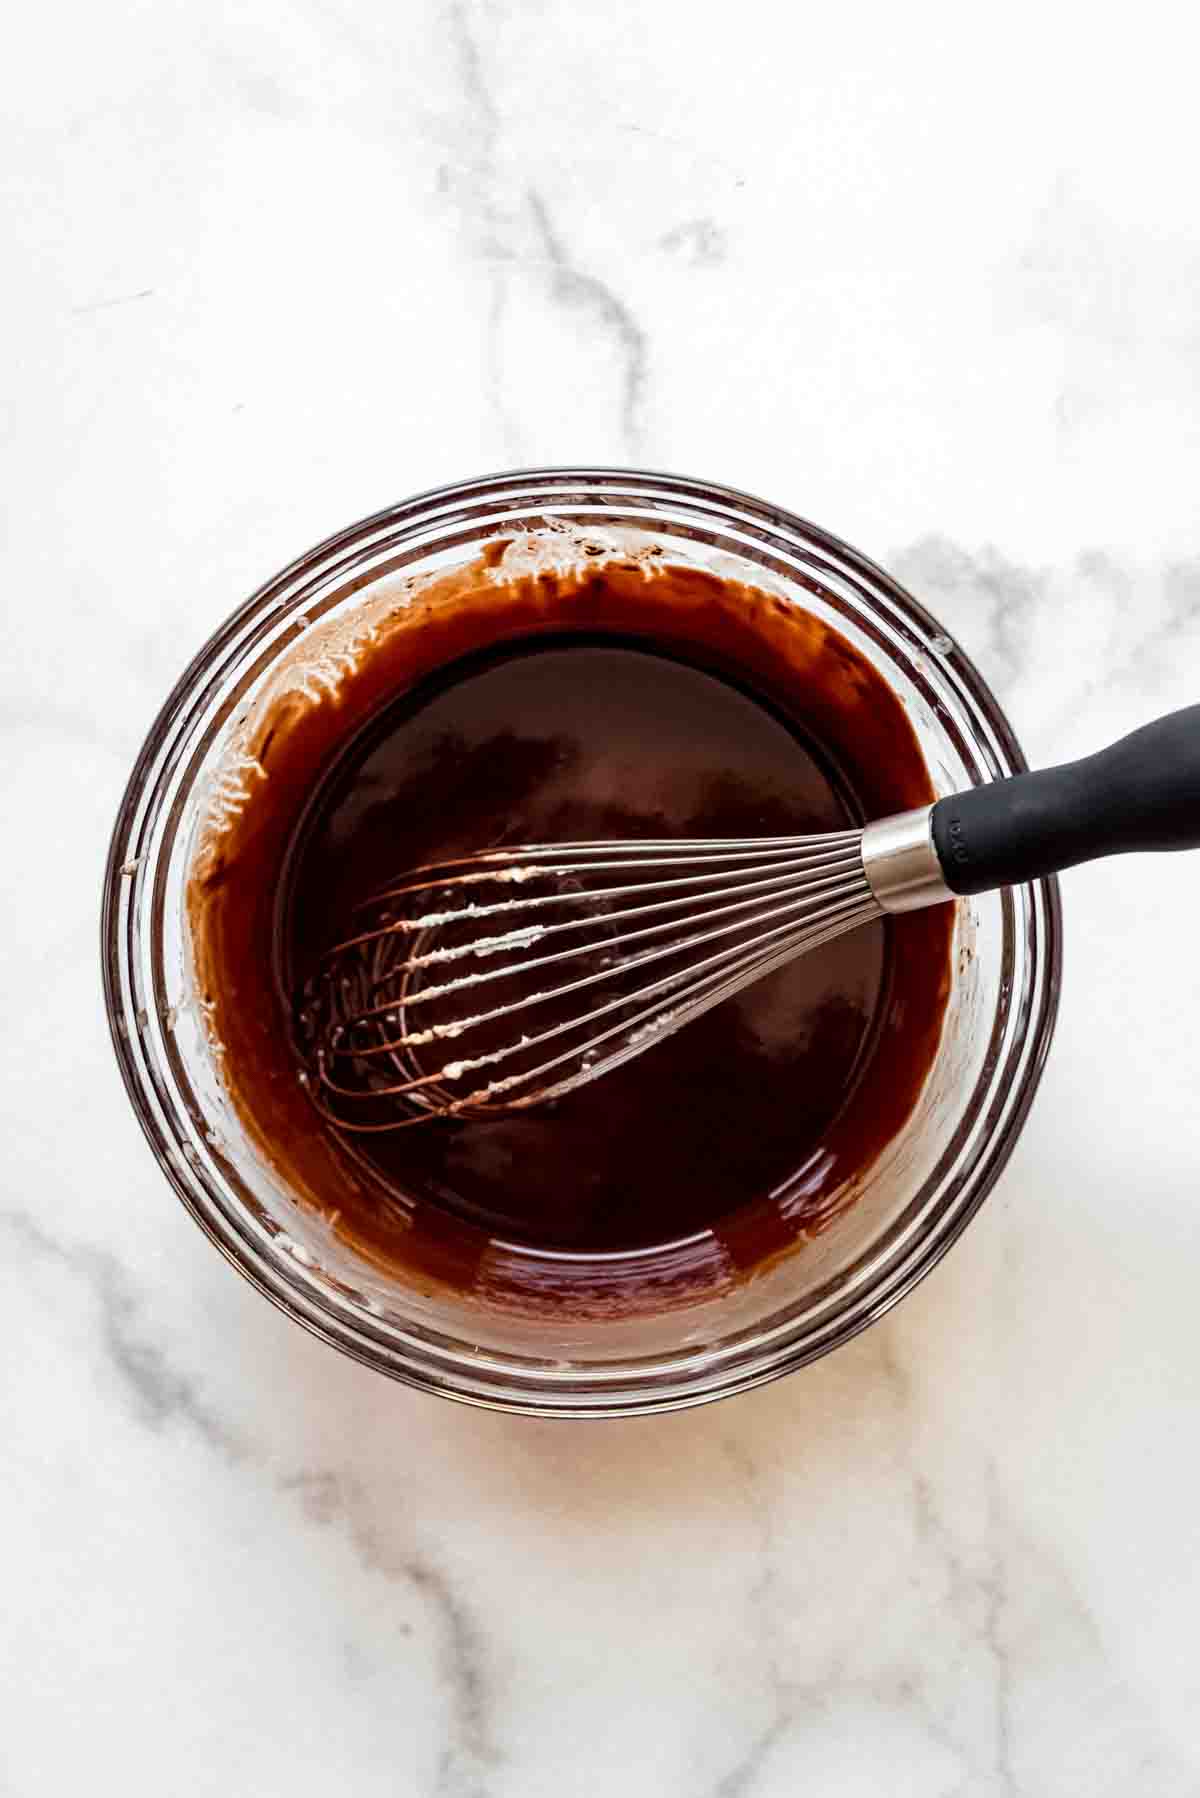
[913,1201]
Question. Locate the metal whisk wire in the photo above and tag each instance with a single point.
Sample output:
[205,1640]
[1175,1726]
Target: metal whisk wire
[712,917]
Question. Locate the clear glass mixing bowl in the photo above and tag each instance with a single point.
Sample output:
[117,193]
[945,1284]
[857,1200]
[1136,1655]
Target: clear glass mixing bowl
[913,1201]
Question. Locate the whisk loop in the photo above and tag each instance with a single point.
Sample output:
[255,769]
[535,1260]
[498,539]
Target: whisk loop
[512,977]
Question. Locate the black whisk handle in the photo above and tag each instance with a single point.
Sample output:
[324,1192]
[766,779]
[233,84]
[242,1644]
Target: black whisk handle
[1142,793]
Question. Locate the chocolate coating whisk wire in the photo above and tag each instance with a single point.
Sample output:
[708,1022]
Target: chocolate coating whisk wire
[457,998]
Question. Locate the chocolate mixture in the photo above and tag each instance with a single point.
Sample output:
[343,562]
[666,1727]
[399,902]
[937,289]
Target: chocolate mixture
[621,699]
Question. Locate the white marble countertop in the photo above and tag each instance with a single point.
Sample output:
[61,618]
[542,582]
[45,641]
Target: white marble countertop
[925,275]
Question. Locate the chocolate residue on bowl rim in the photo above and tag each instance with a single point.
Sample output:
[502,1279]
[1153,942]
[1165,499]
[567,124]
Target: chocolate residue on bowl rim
[340,680]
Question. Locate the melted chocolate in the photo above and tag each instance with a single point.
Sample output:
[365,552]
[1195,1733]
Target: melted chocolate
[616,701]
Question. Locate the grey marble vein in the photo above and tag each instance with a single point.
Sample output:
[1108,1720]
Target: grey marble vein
[990,603]
[475,182]
[790,1702]
[975,1596]
[996,1578]
[470,57]
[465,1758]
[1150,629]
[1154,651]
[994,1590]
[983,597]
[469,1752]
[976,1600]
[1181,589]
[158,1391]
[118,299]
[740,1780]
[499,236]
[576,288]
[700,241]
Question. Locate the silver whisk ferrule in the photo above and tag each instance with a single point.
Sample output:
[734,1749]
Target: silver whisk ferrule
[901,863]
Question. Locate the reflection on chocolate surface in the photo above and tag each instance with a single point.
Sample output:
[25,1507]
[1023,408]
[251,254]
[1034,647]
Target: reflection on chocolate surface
[625,699]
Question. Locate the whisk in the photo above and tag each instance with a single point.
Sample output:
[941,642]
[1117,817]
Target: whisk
[511,977]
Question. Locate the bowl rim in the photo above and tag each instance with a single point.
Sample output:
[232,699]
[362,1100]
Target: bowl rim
[286,1286]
